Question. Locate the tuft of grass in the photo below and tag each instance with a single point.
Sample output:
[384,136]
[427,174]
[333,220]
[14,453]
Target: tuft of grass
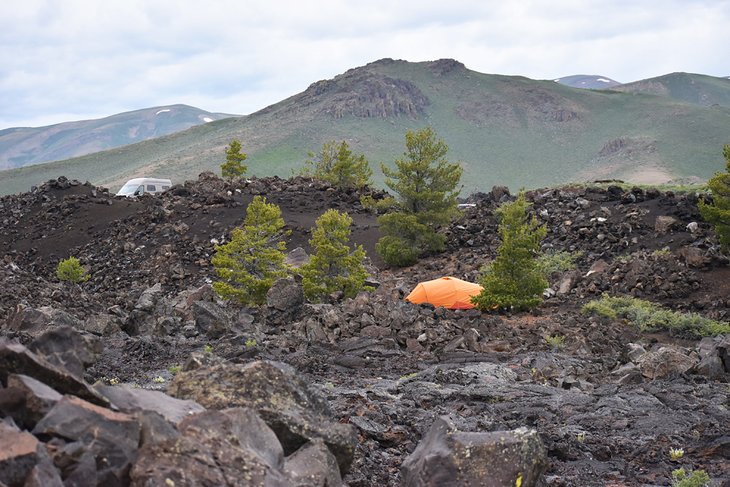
[251,343]
[560,261]
[555,341]
[649,317]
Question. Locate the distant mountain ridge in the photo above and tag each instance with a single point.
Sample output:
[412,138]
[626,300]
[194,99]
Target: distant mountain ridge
[588,81]
[698,89]
[22,146]
[507,130]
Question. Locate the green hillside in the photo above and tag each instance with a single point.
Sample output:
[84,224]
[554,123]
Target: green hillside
[697,89]
[21,146]
[504,129]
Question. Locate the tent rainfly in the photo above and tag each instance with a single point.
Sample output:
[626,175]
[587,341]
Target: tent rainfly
[448,292]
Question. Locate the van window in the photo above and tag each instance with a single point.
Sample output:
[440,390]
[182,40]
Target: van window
[140,190]
[151,187]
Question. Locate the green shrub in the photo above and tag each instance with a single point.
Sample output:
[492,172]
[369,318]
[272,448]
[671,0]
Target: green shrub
[555,341]
[649,317]
[71,270]
[718,213]
[514,280]
[562,261]
[697,478]
[234,167]
[249,264]
[426,187]
[405,239]
[337,164]
[334,266]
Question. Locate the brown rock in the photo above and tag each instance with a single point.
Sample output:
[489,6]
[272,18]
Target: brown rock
[18,455]
[38,398]
[129,400]
[663,224]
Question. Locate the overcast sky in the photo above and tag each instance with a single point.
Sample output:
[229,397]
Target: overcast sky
[63,60]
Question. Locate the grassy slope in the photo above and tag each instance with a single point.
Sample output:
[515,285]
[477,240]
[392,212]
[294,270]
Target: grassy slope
[502,128]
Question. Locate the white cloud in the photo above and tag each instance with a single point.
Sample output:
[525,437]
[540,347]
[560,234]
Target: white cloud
[73,59]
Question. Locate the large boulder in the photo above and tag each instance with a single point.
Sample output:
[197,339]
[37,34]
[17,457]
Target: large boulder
[665,362]
[17,359]
[37,320]
[232,447]
[111,437]
[448,457]
[68,348]
[36,399]
[293,411]
[211,319]
[24,461]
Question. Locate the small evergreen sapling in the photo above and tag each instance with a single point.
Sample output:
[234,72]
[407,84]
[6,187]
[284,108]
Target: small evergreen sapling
[71,270]
[718,213]
[515,279]
[249,264]
[425,184]
[334,266]
[234,167]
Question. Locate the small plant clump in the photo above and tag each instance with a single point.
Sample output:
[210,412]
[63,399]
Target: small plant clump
[251,343]
[555,341]
[562,261]
[696,478]
[647,316]
[71,270]
[675,454]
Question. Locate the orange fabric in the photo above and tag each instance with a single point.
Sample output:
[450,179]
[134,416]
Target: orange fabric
[448,292]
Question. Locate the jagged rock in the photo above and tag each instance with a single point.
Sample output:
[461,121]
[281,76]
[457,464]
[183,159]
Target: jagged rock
[446,456]
[313,465]
[112,437]
[665,362]
[714,357]
[694,257]
[130,400]
[101,324]
[147,300]
[154,428]
[295,412]
[18,455]
[37,320]
[67,348]
[297,258]
[183,302]
[232,447]
[15,358]
[37,399]
[211,319]
[663,224]
[285,295]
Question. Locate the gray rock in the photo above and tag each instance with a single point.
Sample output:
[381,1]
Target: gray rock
[663,224]
[448,457]
[129,400]
[287,404]
[113,437]
[313,465]
[297,258]
[38,399]
[67,348]
[285,295]
[665,362]
[147,300]
[211,319]
[15,358]
[37,320]
[233,448]
[714,357]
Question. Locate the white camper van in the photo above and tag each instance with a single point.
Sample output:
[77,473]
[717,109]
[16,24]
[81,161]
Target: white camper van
[140,186]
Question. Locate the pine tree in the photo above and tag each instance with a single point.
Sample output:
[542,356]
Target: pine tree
[425,184]
[234,167]
[249,264]
[515,279]
[718,212]
[337,164]
[334,266]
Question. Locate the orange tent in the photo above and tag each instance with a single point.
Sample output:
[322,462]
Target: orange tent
[448,292]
